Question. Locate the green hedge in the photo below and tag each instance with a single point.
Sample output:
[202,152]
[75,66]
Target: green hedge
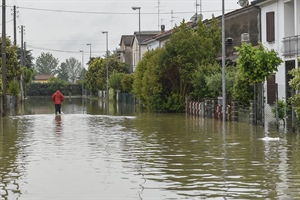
[47,89]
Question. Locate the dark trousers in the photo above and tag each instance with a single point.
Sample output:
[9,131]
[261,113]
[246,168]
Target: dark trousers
[57,108]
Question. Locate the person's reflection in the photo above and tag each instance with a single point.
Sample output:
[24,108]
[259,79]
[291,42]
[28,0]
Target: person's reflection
[58,127]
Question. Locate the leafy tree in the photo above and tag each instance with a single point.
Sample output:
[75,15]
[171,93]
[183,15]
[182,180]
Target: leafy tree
[295,84]
[164,78]
[28,74]
[201,91]
[46,64]
[28,58]
[73,69]
[255,64]
[115,81]
[13,69]
[63,72]
[95,77]
[127,82]
[214,83]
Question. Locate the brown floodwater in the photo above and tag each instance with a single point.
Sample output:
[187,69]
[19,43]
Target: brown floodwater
[99,151]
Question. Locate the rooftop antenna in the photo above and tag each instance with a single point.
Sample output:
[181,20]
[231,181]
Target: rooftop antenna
[172,18]
[200,5]
[158,13]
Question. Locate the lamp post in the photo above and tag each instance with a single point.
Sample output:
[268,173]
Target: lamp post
[139,8]
[89,44]
[106,32]
[223,64]
[82,71]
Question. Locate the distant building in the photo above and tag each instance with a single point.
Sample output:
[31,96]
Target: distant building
[125,50]
[42,78]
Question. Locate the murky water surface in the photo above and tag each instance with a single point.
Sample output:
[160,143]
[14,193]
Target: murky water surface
[94,151]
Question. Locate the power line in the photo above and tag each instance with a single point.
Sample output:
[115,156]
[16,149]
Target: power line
[110,13]
[58,50]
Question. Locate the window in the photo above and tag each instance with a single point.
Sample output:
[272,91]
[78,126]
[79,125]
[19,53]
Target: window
[270,27]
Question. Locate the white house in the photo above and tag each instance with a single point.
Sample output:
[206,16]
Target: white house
[280,30]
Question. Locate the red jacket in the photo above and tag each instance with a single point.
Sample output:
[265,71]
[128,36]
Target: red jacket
[58,97]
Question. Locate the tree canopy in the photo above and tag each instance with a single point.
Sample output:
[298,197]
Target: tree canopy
[164,77]
[13,68]
[46,64]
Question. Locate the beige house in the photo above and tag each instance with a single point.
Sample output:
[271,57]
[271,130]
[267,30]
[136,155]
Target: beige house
[42,78]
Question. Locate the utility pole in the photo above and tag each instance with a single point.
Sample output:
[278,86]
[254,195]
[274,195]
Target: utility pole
[22,46]
[15,27]
[4,56]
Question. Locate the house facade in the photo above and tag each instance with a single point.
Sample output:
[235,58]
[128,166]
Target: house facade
[280,28]
[125,50]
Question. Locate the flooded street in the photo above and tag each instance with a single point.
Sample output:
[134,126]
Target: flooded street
[95,151]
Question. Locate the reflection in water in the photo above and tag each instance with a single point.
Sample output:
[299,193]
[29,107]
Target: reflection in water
[88,153]
[58,126]
[9,167]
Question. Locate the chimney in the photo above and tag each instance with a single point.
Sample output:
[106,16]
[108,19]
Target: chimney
[162,28]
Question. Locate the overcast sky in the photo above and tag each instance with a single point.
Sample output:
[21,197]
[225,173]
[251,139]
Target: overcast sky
[64,27]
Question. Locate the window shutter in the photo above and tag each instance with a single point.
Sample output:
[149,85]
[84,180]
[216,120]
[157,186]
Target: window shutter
[271,90]
[270,26]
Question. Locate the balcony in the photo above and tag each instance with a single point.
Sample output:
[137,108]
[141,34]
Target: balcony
[291,46]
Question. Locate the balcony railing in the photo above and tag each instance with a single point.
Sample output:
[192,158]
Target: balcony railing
[291,46]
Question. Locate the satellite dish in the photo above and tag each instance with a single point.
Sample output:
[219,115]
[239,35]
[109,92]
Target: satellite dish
[243,3]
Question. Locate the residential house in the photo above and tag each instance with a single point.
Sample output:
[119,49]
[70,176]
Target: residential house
[125,50]
[280,25]
[42,78]
[158,40]
[138,39]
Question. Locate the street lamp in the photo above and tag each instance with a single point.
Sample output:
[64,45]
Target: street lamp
[82,71]
[139,8]
[223,64]
[106,32]
[89,44]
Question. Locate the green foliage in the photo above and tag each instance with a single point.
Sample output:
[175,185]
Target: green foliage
[57,84]
[28,60]
[13,88]
[0,85]
[256,63]
[165,77]
[63,72]
[27,74]
[95,77]
[46,64]
[13,70]
[115,81]
[199,81]
[127,83]
[74,69]
[281,110]
[295,84]
[147,85]
[47,89]
[243,89]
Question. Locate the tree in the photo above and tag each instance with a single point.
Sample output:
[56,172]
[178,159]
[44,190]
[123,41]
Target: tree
[95,77]
[63,72]
[74,69]
[13,68]
[164,78]
[255,64]
[28,58]
[46,64]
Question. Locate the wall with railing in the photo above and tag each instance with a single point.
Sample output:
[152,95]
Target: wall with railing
[291,46]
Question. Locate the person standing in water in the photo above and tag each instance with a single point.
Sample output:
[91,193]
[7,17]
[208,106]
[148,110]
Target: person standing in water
[58,98]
